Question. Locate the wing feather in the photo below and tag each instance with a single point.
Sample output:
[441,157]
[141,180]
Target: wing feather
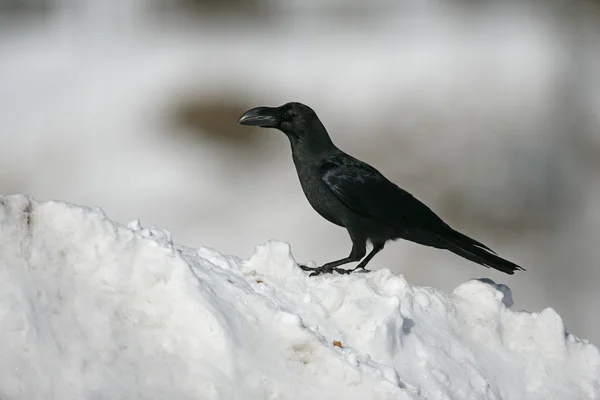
[369,194]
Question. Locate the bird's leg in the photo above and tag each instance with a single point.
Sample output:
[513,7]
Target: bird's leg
[358,252]
[377,247]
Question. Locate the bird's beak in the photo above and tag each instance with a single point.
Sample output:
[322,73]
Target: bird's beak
[265,117]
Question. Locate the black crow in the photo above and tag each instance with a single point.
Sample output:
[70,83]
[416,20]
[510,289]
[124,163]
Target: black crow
[354,195]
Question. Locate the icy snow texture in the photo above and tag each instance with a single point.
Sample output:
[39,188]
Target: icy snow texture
[92,309]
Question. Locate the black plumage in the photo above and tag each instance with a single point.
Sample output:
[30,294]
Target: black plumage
[354,195]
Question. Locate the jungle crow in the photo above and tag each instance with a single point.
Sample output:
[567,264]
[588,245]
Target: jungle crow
[354,195]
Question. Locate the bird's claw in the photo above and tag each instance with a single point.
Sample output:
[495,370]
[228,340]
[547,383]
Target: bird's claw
[315,271]
[343,271]
[321,270]
[329,270]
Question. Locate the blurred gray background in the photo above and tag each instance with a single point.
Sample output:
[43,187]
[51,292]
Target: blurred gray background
[488,111]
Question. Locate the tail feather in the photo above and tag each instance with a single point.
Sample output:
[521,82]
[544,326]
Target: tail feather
[465,239]
[472,250]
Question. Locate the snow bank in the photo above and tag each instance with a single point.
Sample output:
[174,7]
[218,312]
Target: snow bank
[92,309]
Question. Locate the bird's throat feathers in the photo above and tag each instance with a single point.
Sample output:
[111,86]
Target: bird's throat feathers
[314,139]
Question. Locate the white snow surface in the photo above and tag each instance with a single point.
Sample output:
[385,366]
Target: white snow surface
[90,309]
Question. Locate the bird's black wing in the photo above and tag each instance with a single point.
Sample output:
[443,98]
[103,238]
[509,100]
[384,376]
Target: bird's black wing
[368,193]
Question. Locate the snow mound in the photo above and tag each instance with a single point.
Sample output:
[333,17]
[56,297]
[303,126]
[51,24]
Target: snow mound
[92,309]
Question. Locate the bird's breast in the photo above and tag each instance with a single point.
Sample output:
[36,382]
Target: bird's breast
[318,194]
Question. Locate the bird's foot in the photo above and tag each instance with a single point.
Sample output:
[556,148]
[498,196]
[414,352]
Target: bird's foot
[323,270]
[329,270]
[305,268]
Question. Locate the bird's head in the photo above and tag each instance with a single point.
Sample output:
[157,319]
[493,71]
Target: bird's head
[293,119]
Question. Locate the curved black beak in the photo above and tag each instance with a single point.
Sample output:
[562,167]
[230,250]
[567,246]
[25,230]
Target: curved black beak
[265,117]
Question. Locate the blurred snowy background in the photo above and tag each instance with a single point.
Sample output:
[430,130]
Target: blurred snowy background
[488,111]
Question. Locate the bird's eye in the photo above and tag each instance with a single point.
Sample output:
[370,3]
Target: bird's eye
[286,114]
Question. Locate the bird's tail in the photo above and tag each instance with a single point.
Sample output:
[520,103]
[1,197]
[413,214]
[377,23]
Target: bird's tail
[471,249]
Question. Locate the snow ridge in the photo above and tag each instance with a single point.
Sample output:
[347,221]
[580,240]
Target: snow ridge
[93,309]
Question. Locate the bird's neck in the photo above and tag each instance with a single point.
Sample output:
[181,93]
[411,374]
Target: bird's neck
[315,141]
